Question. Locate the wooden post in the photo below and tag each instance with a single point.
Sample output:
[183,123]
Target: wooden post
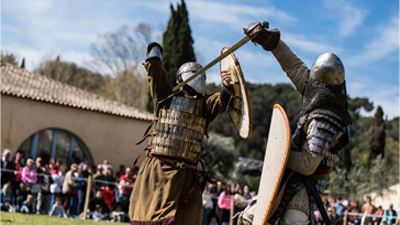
[345,217]
[232,210]
[89,187]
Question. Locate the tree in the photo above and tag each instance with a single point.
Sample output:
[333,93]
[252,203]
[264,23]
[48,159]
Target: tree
[9,58]
[118,56]
[377,136]
[71,74]
[218,156]
[177,42]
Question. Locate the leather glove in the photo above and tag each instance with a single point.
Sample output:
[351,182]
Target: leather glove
[151,45]
[154,50]
[268,39]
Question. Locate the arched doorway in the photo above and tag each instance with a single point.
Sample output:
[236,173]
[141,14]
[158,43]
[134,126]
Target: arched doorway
[58,144]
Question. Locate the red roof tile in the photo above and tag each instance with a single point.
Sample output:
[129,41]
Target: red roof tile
[18,82]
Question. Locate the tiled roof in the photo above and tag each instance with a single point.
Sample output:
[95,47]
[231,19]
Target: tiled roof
[18,82]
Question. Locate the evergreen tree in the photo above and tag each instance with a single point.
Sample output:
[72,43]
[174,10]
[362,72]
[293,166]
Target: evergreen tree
[377,136]
[177,42]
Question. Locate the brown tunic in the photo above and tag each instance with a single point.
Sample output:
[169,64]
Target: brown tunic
[158,187]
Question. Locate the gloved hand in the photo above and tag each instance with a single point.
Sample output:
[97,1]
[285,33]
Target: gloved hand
[154,50]
[268,39]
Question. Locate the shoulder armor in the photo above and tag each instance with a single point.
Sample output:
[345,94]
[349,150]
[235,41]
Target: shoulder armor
[321,135]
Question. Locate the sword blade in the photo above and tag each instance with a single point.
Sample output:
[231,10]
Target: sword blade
[215,61]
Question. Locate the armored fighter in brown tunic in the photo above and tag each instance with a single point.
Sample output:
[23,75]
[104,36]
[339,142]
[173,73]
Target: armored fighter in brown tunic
[322,128]
[167,190]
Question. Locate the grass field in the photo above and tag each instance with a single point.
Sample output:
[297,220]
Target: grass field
[24,219]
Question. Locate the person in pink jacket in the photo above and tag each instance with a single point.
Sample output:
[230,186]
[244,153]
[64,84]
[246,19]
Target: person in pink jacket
[29,176]
[224,203]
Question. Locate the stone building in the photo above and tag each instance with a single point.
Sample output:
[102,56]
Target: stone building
[43,117]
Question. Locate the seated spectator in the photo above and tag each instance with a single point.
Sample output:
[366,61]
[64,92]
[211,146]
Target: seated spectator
[213,221]
[108,197]
[27,205]
[98,200]
[57,209]
[5,203]
[118,215]
[98,213]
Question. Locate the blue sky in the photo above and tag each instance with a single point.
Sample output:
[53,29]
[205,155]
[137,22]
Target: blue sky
[364,34]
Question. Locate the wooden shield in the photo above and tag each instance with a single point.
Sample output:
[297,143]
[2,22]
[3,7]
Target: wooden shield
[240,112]
[275,161]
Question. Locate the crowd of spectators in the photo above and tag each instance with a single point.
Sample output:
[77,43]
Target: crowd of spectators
[217,202]
[36,186]
[353,213]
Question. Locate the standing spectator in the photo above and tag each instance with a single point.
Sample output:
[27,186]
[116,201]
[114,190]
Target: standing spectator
[127,181]
[69,190]
[354,208]
[214,198]
[7,163]
[326,204]
[29,177]
[17,197]
[27,205]
[106,165]
[333,217]
[240,202]
[224,203]
[368,208]
[121,171]
[378,212]
[83,174]
[111,180]
[56,186]
[340,208]
[207,205]
[391,215]
[99,176]
[246,192]
[44,196]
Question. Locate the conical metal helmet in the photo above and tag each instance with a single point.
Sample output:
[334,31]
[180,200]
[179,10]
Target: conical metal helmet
[186,71]
[328,69]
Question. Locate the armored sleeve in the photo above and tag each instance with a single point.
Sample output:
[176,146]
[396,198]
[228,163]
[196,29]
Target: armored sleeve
[295,69]
[158,80]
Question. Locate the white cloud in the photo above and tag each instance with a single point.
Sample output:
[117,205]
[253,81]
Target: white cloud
[349,17]
[234,15]
[303,43]
[384,46]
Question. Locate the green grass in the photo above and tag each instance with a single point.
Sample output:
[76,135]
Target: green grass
[22,219]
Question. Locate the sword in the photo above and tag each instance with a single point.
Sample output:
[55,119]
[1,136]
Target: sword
[219,58]
[319,204]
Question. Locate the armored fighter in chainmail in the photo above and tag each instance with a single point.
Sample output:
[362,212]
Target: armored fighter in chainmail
[322,128]
[167,189]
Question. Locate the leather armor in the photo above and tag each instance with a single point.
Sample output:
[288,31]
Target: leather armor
[180,130]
